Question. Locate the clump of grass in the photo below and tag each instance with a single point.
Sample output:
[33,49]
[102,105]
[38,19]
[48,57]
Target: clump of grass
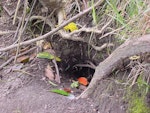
[126,14]
[112,7]
[134,7]
[94,13]
[137,97]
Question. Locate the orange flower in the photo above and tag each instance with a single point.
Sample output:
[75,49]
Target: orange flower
[83,81]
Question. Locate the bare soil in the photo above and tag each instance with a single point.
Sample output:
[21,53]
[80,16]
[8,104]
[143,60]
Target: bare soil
[23,93]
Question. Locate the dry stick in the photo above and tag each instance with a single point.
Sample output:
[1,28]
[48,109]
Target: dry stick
[70,36]
[26,21]
[103,46]
[89,64]
[135,77]
[78,6]
[13,57]
[21,28]
[29,15]
[109,33]
[6,32]
[9,13]
[97,48]
[17,8]
[108,23]
[53,31]
[85,65]
[24,72]
[93,29]
[85,4]
[17,31]
[57,76]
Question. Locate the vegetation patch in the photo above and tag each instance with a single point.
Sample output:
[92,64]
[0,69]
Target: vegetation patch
[137,97]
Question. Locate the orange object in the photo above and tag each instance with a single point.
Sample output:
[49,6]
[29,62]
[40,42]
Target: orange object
[67,90]
[83,81]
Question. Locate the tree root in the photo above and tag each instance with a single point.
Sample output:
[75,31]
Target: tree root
[55,30]
[131,47]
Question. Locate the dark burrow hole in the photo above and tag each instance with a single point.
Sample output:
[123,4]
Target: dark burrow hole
[74,72]
[73,54]
[71,70]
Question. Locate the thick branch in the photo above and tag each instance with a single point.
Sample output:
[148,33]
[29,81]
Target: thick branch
[129,48]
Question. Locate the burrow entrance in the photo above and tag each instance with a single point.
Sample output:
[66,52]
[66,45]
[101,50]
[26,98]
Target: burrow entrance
[76,53]
[77,61]
[76,68]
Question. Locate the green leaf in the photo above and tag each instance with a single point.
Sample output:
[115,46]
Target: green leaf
[45,55]
[57,58]
[28,9]
[118,17]
[48,56]
[75,84]
[59,91]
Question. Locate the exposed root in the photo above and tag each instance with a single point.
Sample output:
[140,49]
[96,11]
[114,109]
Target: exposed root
[129,48]
[53,31]
[89,65]
[74,35]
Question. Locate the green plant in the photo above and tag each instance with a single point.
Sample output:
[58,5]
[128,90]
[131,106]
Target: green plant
[112,5]
[136,97]
[94,13]
[48,55]
[126,14]
[134,7]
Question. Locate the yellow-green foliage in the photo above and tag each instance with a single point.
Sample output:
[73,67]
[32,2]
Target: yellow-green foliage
[137,104]
[127,15]
[112,6]
[137,98]
[0,10]
[71,27]
[134,7]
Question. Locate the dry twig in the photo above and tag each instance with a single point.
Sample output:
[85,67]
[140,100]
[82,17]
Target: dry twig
[6,32]
[21,28]
[57,75]
[13,57]
[53,31]
[17,8]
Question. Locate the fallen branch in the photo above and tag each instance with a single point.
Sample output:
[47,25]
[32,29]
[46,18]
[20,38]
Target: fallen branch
[53,31]
[129,48]
[6,32]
